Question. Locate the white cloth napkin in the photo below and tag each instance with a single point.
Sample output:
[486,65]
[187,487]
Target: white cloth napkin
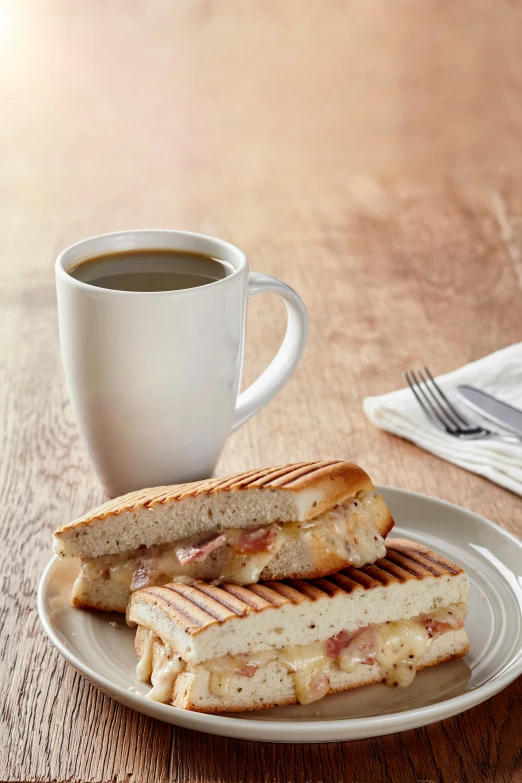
[500,374]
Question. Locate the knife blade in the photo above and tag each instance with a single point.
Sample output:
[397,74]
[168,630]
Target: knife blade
[492,408]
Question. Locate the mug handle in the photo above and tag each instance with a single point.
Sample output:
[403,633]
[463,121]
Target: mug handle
[286,359]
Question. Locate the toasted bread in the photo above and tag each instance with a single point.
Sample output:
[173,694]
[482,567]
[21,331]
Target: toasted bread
[203,621]
[160,515]
[300,557]
[273,686]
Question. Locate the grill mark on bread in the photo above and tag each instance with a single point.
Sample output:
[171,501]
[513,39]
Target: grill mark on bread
[361,578]
[419,551]
[227,482]
[268,476]
[308,589]
[224,597]
[399,573]
[405,566]
[289,477]
[286,590]
[439,561]
[201,605]
[343,581]
[327,586]
[247,596]
[132,501]
[294,473]
[274,476]
[188,614]
[236,481]
[419,564]
[264,476]
[267,594]
[207,603]
[383,573]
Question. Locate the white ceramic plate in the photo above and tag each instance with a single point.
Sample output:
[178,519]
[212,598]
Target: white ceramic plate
[101,646]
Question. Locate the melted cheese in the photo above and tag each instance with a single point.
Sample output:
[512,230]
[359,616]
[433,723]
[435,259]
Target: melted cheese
[400,647]
[245,569]
[164,676]
[223,670]
[144,667]
[219,683]
[122,573]
[310,668]
[160,665]
[346,530]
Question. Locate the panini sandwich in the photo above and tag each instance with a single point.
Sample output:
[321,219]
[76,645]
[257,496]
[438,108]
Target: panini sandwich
[232,648]
[299,521]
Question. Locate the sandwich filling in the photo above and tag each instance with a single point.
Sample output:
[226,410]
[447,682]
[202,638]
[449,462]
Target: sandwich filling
[347,530]
[395,647]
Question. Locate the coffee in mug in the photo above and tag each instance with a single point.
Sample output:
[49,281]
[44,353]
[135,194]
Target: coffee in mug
[150,269]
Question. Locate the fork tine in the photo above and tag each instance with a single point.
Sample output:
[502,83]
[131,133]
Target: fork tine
[446,410]
[460,418]
[425,404]
[437,410]
[441,412]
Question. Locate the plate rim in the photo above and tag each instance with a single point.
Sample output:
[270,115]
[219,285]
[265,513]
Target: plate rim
[338,728]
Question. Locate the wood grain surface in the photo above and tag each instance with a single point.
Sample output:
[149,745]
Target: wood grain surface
[368,152]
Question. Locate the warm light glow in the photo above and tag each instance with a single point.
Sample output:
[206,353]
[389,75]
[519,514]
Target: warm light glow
[6,20]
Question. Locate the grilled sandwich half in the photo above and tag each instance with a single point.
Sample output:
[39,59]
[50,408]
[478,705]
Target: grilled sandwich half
[234,648]
[298,521]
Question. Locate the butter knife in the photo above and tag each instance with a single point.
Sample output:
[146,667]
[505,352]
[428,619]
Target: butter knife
[492,409]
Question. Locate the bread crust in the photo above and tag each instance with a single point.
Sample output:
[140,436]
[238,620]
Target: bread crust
[310,488]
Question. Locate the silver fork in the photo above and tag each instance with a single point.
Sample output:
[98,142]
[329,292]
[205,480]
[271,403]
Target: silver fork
[442,413]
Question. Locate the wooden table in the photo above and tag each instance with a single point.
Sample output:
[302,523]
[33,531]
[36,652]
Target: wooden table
[367,152]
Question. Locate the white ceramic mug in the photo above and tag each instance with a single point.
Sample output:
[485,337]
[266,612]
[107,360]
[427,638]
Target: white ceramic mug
[154,378]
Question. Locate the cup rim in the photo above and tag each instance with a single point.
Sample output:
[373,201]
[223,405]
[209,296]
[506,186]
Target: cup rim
[62,273]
